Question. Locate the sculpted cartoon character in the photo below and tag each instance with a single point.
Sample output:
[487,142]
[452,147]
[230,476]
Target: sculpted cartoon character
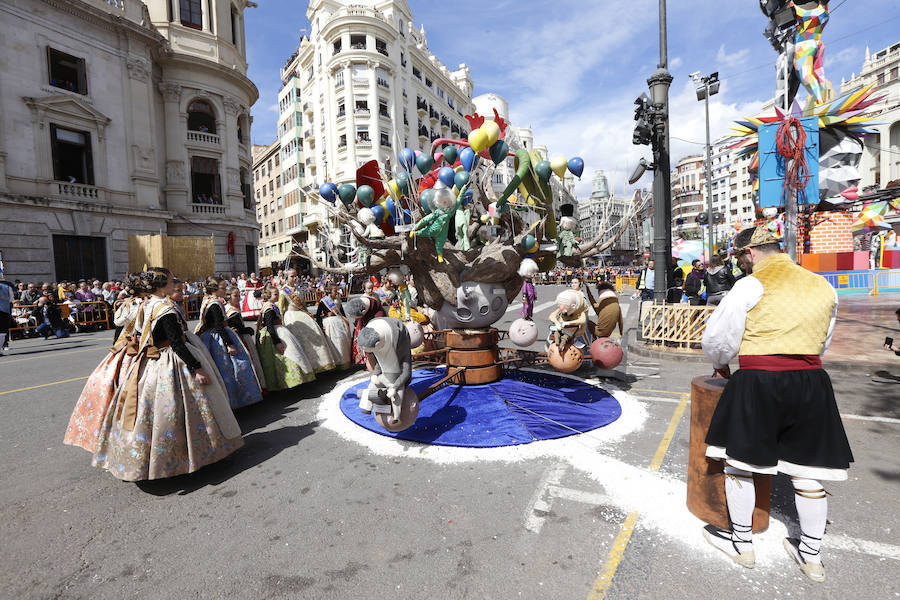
[436,224]
[388,341]
[369,230]
[568,323]
[566,242]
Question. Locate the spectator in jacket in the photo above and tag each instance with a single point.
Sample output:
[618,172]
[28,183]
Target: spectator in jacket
[30,295]
[718,280]
[693,284]
[48,319]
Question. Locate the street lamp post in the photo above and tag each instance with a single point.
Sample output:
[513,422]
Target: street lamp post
[662,188]
[652,127]
[708,86]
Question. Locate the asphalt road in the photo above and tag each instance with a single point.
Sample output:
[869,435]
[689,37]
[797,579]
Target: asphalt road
[314,507]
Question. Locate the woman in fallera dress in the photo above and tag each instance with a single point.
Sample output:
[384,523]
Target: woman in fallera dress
[330,317]
[228,353]
[171,415]
[91,407]
[304,327]
[245,333]
[283,361]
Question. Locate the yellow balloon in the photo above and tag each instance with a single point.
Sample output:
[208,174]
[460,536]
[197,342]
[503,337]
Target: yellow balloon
[478,140]
[493,132]
[559,165]
[394,189]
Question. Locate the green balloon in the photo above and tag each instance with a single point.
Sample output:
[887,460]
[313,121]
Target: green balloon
[425,199]
[366,195]
[402,180]
[450,155]
[461,179]
[499,151]
[346,193]
[529,244]
[543,170]
[424,163]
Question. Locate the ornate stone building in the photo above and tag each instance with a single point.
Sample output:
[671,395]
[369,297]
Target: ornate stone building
[363,86]
[122,117]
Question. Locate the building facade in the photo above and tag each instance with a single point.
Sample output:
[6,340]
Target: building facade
[362,86]
[120,118]
[688,197]
[880,164]
[603,211]
[274,243]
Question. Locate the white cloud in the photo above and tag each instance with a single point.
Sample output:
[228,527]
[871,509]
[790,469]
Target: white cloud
[676,62]
[731,60]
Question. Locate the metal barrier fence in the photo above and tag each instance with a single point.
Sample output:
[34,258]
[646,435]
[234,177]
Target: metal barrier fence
[97,312]
[864,281]
[674,326]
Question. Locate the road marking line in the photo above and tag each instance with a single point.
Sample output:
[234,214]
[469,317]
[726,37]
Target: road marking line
[875,419]
[604,580]
[845,542]
[848,416]
[34,387]
[41,354]
[538,308]
[670,433]
[533,521]
[579,496]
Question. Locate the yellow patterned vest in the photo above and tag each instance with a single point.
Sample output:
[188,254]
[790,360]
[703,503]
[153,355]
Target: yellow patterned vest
[793,315]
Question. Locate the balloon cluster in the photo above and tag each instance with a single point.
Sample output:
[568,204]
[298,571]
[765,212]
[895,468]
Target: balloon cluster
[410,194]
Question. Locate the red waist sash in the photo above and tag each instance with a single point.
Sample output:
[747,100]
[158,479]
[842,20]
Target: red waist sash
[780,362]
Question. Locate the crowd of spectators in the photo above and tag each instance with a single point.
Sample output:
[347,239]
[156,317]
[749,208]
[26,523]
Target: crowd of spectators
[61,308]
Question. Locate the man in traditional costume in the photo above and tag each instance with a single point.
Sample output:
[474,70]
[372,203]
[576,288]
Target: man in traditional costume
[777,413]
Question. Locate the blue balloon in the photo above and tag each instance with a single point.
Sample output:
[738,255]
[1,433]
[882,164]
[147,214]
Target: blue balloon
[407,158]
[328,191]
[461,179]
[467,158]
[407,217]
[391,211]
[576,166]
[446,175]
[378,211]
[467,198]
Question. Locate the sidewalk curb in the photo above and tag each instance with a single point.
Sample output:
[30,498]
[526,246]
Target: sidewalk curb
[842,366]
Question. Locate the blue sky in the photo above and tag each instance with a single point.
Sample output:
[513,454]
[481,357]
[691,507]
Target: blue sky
[571,69]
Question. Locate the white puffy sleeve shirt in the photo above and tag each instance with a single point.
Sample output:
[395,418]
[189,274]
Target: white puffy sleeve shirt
[725,327]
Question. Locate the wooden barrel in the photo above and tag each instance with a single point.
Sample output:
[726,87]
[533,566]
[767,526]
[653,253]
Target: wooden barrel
[472,358]
[482,375]
[471,339]
[706,478]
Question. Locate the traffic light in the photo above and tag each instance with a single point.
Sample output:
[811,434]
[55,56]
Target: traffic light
[642,131]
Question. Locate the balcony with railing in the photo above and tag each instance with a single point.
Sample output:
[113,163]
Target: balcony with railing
[307,108]
[383,83]
[433,114]
[381,48]
[421,105]
[203,137]
[207,209]
[423,132]
[77,191]
[363,140]
[445,122]
[383,112]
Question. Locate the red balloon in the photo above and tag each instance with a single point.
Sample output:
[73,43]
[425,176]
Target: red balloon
[605,353]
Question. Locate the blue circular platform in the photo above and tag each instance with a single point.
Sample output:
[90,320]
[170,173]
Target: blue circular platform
[523,407]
